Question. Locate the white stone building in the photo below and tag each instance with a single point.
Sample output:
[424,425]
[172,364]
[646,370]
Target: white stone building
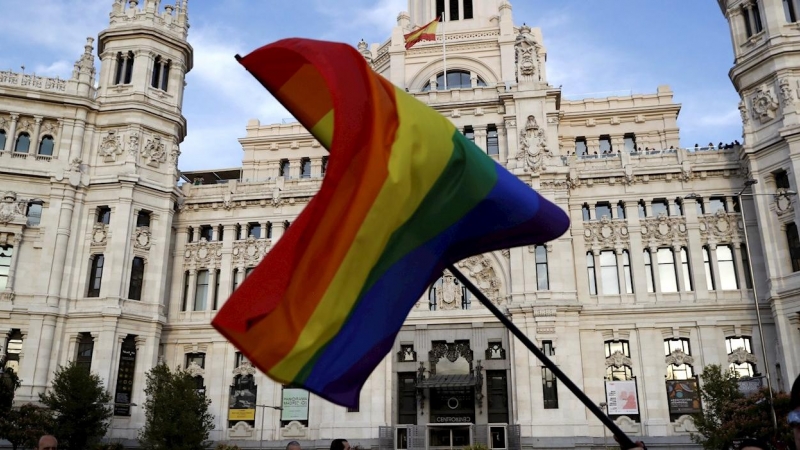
[107,259]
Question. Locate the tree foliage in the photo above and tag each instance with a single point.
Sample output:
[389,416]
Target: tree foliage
[80,405]
[729,416]
[176,414]
[23,426]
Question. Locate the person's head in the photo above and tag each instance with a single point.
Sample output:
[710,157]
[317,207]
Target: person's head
[340,444]
[293,445]
[753,444]
[794,415]
[47,442]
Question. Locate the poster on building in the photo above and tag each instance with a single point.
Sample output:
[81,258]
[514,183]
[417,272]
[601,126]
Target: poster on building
[242,400]
[127,367]
[621,398]
[295,405]
[683,396]
[749,386]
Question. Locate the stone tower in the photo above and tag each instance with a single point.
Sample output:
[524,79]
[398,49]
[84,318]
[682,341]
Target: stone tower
[766,74]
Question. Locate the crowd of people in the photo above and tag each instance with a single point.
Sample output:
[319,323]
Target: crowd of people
[48,442]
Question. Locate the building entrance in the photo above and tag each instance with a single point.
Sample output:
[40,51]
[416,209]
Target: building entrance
[450,437]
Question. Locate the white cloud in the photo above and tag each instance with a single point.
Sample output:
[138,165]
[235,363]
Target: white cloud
[55,25]
[62,69]
[371,20]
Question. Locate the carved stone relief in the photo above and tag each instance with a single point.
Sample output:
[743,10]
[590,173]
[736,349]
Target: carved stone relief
[195,370]
[480,269]
[618,359]
[99,235]
[204,253]
[786,92]
[528,58]
[450,350]
[154,152]
[678,358]
[11,210]
[607,233]
[743,113]
[133,143]
[141,239]
[250,251]
[740,356]
[244,368]
[111,146]
[664,230]
[764,105]
[533,146]
[450,293]
[721,227]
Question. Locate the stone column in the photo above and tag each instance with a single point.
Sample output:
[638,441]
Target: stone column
[46,337]
[598,278]
[212,288]
[37,128]
[243,232]
[621,271]
[277,231]
[676,254]
[189,306]
[502,144]
[78,132]
[17,245]
[214,234]
[67,197]
[11,138]
[654,269]
[712,250]
[741,271]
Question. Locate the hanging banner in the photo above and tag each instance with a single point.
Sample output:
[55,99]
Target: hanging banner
[621,398]
[295,404]
[683,396]
[127,367]
[242,403]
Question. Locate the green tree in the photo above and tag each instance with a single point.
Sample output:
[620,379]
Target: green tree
[9,383]
[176,414]
[728,415]
[23,426]
[80,404]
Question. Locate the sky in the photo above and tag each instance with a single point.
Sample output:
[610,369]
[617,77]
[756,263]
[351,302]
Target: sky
[595,48]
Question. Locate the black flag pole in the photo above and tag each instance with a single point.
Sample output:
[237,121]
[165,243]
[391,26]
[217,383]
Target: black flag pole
[624,441]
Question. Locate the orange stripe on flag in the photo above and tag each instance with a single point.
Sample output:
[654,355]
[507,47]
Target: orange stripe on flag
[306,93]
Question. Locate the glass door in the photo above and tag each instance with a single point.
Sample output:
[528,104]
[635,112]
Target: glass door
[449,437]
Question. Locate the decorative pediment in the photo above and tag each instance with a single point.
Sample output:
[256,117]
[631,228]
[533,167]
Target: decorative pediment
[740,355]
[721,227]
[249,251]
[607,233]
[204,253]
[664,230]
[244,368]
[195,370]
[678,358]
[618,359]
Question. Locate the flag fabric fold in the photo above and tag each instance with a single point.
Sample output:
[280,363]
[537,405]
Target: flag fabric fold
[404,195]
[426,32]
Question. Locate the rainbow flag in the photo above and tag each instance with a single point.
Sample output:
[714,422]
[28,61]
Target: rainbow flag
[423,33]
[404,195]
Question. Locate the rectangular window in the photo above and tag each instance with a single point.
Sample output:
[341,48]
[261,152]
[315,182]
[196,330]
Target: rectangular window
[746,17]
[746,266]
[85,349]
[198,359]
[95,276]
[468,9]
[137,279]
[143,218]
[254,229]
[492,141]
[580,146]
[216,289]
[220,233]
[788,11]
[439,8]
[454,10]
[648,271]
[497,393]
[620,210]
[407,398]
[586,211]
[305,168]
[201,291]
[700,207]
[759,27]
[185,290]
[324,165]
[666,270]
[626,261]
[717,204]
[283,169]
[781,179]
[469,133]
[737,344]
[542,282]
[103,215]
[687,273]
[591,273]
[793,240]
[622,372]
[34,214]
[5,265]
[549,381]
[682,371]
[605,144]
[206,232]
[727,268]
[709,269]
[642,209]
[602,209]
[609,273]
[630,142]
[658,207]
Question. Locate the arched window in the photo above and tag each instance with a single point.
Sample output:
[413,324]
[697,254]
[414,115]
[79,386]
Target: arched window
[2,140]
[677,368]
[456,79]
[46,146]
[618,358]
[740,355]
[448,293]
[23,143]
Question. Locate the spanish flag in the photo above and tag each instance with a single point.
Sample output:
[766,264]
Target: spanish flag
[424,33]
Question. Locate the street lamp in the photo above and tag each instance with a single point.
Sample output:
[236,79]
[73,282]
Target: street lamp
[739,195]
[604,406]
[263,413]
